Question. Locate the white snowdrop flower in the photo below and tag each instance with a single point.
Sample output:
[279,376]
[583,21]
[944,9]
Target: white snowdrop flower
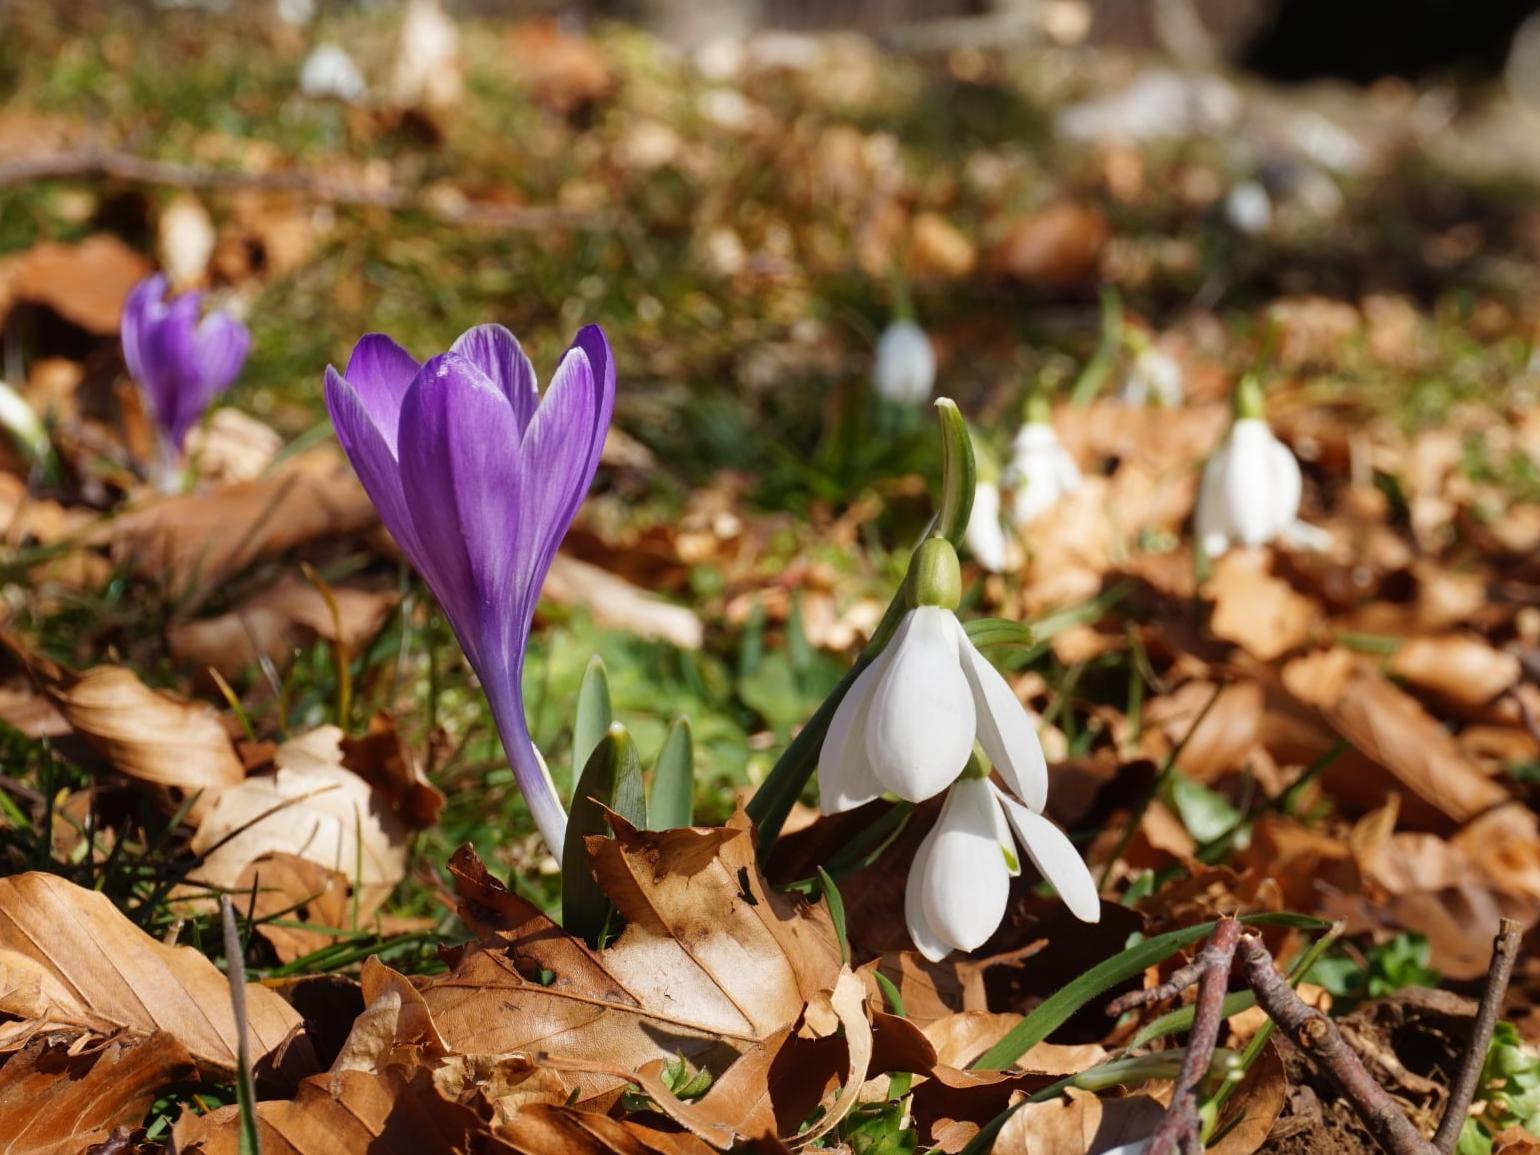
[1041,470]
[1248,208]
[329,73]
[21,421]
[296,13]
[1251,486]
[960,881]
[908,724]
[985,536]
[905,370]
[427,68]
[1156,378]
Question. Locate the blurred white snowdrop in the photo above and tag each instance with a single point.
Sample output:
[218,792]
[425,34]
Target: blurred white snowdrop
[1155,378]
[905,370]
[427,69]
[1248,208]
[330,74]
[985,535]
[20,420]
[1251,486]
[1041,469]
[295,13]
[908,726]
[184,240]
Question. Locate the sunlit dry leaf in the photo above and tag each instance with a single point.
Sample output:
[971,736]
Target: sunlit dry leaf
[1262,614]
[191,543]
[1079,1124]
[278,619]
[563,70]
[311,806]
[711,962]
[285,888]
[1388,726]
[56,1099]
[232,446]
[1058,247]
[1255,1108]
[149,735]
[84,283]
[1224,738]
[70,961]
[773,1088]
[1457,666]
[542,1130]
[616,603]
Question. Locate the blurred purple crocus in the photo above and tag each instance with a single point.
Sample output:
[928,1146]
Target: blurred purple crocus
[182,359]
[478,480]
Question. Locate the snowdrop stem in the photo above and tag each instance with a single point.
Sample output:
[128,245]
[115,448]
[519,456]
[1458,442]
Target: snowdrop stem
[1037,410]
[1250,401]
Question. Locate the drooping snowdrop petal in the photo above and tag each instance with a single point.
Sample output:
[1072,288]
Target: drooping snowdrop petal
[1251,488]
[984,536]
[926,940]
[1041,470]
[1056,859]
[966,880]
[920,729]
[1155,377]
[1286,485]
[845,777]
[1004,727]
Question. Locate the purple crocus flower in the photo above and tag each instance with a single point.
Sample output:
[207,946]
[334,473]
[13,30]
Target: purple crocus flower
[478,480]
[182,359]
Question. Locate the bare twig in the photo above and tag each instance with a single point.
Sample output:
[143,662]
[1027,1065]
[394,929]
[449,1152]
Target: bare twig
[1210,971]
[94,161]
[1505,949]
[1318,1037]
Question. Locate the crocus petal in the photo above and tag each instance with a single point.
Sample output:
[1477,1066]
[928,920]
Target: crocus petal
[984,537]
[498,354]
[845,777]
[926,940]
[966,883]
[1004,727]
[381,372]
[140,311]
[1056,859]
[458,468]
[374,462]
[920,729]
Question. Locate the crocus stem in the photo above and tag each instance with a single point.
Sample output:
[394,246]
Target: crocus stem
[166,469]
[533,779]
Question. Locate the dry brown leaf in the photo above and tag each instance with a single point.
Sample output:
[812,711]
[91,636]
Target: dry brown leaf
[1262,614]
[1225,737]
[1256,1106]
[84,283]
[961,1038]
[1388,727]
[1459,667]
[711,963]
[564,71]
[232,446]
[70,961]
[286,888]
[617,604]
[547,1130]
[382,759]
[398,1112]
[149,735]
[277,620]
[771,1090]
[312,806]
[1058,247]
[59,1098]
[192,543]
[1080,1124]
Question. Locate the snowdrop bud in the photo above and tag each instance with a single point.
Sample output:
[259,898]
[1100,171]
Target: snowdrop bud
[329,73]
[905,371]
[935,579]
[1249,402]
[1248,208]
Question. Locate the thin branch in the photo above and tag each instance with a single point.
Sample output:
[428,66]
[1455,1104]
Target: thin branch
[93,161]
[1210,971]
[1318,1037]
[1505,949]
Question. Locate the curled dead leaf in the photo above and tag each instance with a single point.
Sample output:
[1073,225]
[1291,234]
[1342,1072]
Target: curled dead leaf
[1262,614]
[1459,667]
[85,283]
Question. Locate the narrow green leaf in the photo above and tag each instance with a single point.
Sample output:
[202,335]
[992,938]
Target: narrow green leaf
[612,778]
[1097,369]
[984,632]
[673,780]
[1059,1006]
[890,993]
[593,718]
[959,472]
[831,895]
